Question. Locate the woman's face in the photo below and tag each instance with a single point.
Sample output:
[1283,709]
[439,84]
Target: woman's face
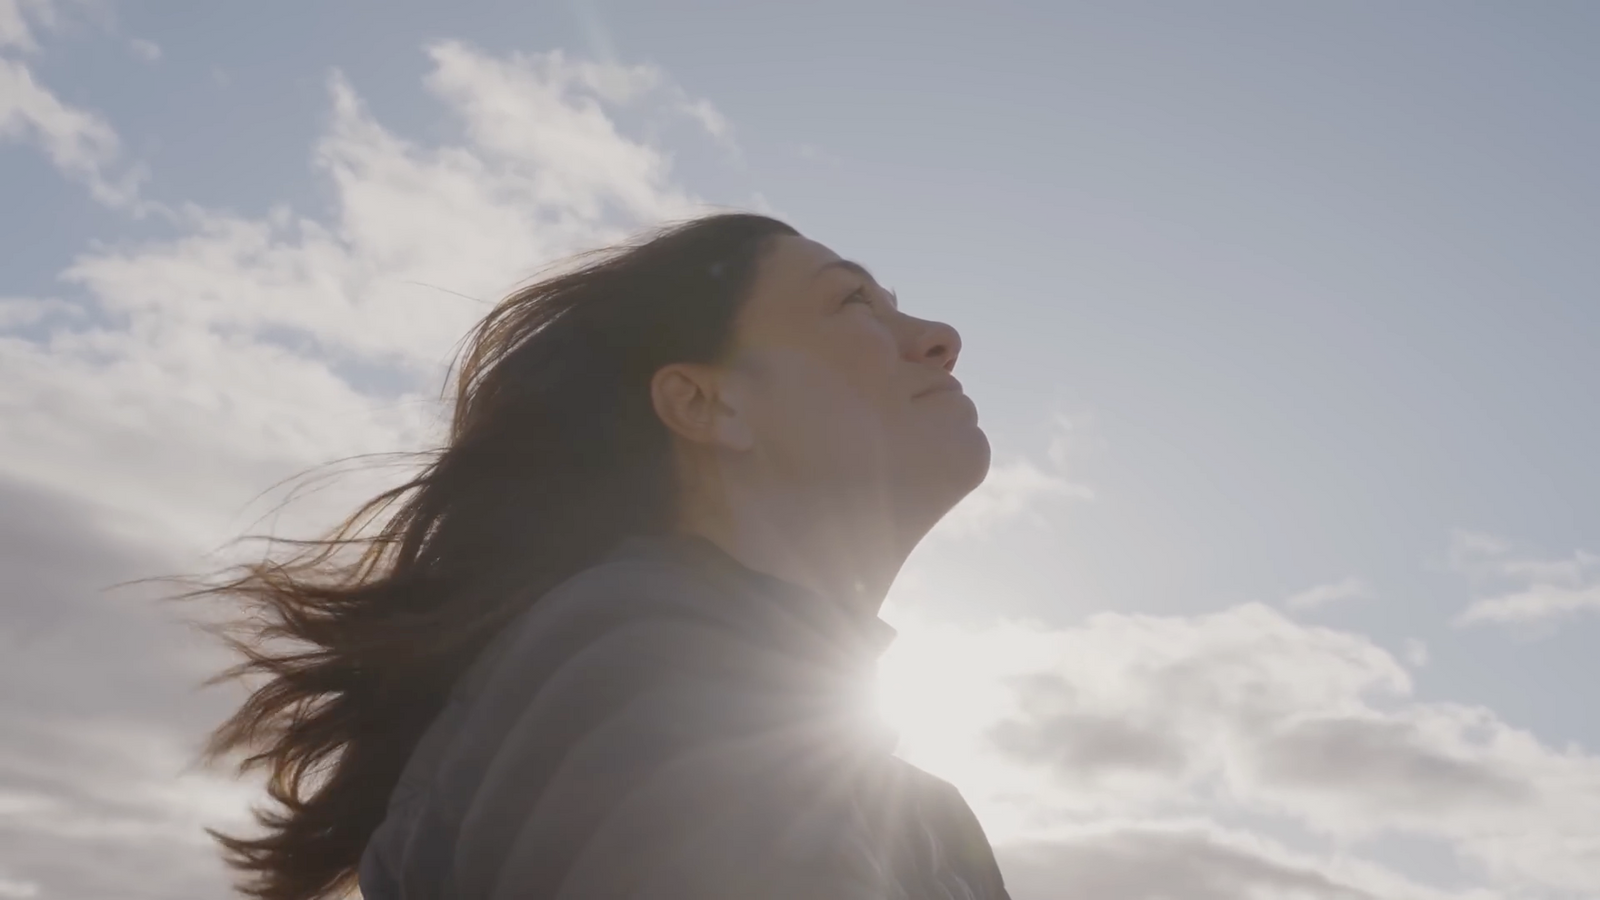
[842,389]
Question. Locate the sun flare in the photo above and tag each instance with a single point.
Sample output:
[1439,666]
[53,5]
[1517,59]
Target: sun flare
[943,689]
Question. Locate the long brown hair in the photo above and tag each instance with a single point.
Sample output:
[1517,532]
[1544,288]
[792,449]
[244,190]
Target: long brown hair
[554,455]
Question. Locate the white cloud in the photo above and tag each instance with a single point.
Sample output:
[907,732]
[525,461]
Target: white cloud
[149,51]
[709,117]
[1540,601]
[1416,653]
[218,361]
[15,312]
[1485,556]
[1075,437]
[540,120]
[14,28]
[1524,587]
[1015,489]
[1323,594]
[1240,712]
[79,143]
[1011,490]
[1196,860]
[99,712]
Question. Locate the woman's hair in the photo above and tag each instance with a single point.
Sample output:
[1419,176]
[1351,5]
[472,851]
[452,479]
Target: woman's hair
[354,641]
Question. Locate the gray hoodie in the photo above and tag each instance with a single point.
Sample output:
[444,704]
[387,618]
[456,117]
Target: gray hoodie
[672,725]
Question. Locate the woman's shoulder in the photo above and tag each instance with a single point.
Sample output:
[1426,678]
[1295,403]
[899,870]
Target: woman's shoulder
[617,595]
[580,615]
[616,590]
[584,648]
[628,619]
[578,659]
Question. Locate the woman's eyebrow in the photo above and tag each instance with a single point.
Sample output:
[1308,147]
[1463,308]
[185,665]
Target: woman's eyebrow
[847,265]
[856,268]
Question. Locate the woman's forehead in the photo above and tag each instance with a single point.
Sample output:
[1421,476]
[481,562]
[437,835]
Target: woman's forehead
[790,273]
[794,257]
[793,265]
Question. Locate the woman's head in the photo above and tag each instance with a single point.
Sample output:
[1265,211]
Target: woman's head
[595,404]
[829,401]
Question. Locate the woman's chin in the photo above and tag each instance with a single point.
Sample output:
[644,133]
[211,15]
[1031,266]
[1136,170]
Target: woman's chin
[966,462]
[978,456]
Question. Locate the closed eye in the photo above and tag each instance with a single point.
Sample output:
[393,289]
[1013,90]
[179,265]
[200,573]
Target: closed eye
[859,295]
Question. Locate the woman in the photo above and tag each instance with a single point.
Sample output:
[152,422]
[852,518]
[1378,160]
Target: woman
[611,642]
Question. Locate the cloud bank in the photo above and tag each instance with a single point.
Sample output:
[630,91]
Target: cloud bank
[1241,713]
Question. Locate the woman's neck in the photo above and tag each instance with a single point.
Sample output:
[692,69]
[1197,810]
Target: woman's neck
[832,547]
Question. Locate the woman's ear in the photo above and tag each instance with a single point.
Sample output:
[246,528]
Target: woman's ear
[699,404]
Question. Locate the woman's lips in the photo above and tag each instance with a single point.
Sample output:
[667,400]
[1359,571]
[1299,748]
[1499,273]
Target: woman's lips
[948,384]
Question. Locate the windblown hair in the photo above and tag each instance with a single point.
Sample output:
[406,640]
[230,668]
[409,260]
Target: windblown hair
[353,641]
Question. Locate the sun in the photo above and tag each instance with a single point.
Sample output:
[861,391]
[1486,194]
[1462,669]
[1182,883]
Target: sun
[943,689]
[930,695]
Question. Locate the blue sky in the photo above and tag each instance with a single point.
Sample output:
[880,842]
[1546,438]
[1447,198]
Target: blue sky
[1281,320]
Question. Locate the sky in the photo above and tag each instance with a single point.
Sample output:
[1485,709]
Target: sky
[1281,318]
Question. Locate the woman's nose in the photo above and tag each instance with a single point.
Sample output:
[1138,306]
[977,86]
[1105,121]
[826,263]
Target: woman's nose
[936,343]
